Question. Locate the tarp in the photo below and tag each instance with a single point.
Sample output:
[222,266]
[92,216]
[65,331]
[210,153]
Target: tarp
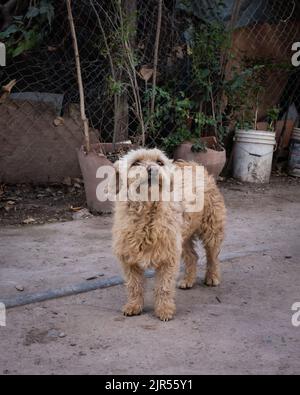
[251,11]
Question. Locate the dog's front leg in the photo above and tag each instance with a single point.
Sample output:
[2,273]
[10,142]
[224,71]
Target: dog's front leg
[134,277]
[165,287]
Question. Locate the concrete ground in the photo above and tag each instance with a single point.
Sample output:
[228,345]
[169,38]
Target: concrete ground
[243,327]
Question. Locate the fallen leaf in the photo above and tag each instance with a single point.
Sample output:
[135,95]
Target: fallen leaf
[2,190]
[52,49]
[76,209]
[82,214]
[146,73]
[7,207]
[59,121]
[179,51]
[29,221]
[6,90]
[68,181]
[78,180]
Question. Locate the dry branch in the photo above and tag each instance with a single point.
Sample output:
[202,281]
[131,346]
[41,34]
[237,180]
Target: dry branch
[156,54]
[6,90]
[79,78]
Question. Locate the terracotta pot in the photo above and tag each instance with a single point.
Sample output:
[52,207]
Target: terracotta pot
[89,165]
[213,160]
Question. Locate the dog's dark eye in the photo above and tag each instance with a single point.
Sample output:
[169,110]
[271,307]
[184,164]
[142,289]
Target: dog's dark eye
[160,163]
[137,163]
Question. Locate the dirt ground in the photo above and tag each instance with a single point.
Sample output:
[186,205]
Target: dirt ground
[28,204]
[243,327]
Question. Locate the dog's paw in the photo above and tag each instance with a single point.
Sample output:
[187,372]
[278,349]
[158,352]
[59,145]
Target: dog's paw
[130,310]
[212,279]
[166,312]
[186,284]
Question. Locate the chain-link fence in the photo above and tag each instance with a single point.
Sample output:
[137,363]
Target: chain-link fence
[154,71]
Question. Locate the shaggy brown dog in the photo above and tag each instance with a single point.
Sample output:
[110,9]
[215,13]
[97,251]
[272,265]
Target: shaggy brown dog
[157,234]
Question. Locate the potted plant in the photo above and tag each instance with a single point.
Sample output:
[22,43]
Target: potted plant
[254,149]
[188,144]
[200,129]
[255,144]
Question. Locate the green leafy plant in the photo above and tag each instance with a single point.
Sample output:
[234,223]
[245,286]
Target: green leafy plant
[174,111]
[209,44]
[244,91]
[27,31]
[199,147]
[273,115]
[202,121]
[192,135]
[181,114]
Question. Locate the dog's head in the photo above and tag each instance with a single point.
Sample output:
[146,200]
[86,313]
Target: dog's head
[143,173]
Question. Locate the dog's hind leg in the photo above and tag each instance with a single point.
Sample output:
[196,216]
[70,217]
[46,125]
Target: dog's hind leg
[212,234]
[165,289]
[190,258]
[213,248]
[135,287]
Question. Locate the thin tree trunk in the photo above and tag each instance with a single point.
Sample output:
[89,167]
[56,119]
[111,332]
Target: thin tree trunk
[79,78]
[132,73]
[122,110]
[113,74]
[156,54]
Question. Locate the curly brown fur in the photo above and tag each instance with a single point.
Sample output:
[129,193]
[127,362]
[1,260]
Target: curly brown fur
[157,234]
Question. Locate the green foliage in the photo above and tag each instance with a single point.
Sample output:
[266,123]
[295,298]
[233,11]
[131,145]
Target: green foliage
[169,110]
[171,142]
[199,147]
[244,91]
[202,121]
[209,42]
[273,115]
[209,47]
[115,87]
[27,31]
[181,113]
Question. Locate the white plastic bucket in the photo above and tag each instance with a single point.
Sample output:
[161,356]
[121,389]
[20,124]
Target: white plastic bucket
[253,155]
[294,159]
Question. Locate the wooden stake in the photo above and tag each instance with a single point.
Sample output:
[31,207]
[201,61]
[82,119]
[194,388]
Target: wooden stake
[156,54]
[79,78]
